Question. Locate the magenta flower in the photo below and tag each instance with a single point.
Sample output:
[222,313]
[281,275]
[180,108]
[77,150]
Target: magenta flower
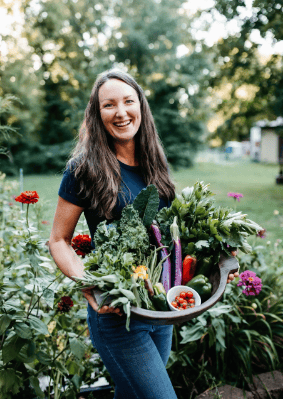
[251,283]
[235,195]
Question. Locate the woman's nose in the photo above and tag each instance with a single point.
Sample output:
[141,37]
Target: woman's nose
[121,110]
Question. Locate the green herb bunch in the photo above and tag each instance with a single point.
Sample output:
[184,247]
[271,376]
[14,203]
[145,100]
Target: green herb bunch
[205,230]
[120,246]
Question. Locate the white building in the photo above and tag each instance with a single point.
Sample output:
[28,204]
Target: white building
[267,142]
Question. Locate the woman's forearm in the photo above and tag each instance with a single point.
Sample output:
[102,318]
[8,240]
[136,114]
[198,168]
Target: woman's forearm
[66,259]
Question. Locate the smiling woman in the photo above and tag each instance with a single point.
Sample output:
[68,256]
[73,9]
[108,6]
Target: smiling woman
[119,150]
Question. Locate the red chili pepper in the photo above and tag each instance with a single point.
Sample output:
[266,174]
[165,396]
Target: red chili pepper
[189,268]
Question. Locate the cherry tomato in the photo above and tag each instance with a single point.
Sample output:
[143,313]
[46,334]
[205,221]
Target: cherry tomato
[181,300]
[174,303]
[184,305]
[192,306]
[189,294]
[177,298]
[183,294]
[191,300]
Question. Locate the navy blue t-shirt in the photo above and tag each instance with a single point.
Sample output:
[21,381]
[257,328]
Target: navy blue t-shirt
[131,176]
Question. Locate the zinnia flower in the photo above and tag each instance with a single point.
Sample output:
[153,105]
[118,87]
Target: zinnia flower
[261,233]
[140,272]
[27,197]
[252,284]
[65,304]
[82,244]
[235,195]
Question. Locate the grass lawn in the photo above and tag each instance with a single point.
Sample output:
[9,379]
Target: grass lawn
[255,181]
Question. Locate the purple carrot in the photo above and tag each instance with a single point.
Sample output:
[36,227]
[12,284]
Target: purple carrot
[166,272]
[177,252]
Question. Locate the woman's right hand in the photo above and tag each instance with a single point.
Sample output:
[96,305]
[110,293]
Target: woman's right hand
[87,292]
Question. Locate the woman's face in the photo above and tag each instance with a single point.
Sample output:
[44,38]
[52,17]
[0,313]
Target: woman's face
[119,109]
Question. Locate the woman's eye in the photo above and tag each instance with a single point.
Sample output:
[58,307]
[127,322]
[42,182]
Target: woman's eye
[130,101]
[107,105]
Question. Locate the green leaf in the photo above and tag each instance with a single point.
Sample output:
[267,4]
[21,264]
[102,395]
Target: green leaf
[60,366]
[77,380]
[43,358]
[147,203]
[35,384]
[38,326]
[201,243]
[192,333]
[25,354]
[74,367]
[12,347]
[9,382]
[77,348]
[48,295]
[219,327]
[219,309]
[4,323]
[23,330]
[173,358]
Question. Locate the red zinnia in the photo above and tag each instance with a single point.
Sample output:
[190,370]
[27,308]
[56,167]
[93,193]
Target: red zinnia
[82,244]
[64,306]
[28,197]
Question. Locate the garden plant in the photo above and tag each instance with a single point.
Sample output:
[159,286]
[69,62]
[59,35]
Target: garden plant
[43,330]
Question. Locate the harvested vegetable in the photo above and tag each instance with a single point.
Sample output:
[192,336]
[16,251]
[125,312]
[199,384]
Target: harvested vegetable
[184,300]
[159,299]
[201,285]
[176,253]
[166,273]
[205,230]
[189,268]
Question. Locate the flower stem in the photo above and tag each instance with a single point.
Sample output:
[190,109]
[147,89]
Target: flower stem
[27,216]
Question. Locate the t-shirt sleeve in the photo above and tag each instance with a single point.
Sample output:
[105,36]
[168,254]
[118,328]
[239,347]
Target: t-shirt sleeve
[69,189]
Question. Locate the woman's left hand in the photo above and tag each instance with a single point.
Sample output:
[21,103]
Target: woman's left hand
[233,275]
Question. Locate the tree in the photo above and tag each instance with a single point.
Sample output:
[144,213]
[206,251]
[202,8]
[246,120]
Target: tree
[69,43]
[248,86]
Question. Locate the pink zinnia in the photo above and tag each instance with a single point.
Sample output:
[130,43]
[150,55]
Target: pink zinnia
[252,284]
[235,195]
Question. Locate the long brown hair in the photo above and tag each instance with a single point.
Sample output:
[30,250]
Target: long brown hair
[94,157]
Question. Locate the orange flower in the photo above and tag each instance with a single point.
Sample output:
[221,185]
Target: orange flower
[28,197]
[140,272]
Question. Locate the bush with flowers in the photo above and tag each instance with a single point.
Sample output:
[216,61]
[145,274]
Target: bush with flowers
[43,329]
[240,336]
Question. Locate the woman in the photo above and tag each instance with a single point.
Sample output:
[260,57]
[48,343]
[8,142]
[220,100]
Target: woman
[118,154]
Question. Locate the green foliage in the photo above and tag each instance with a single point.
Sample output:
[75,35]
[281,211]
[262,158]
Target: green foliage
[238,337]
[205,230]
[69,44]
[35,338]
[36,158]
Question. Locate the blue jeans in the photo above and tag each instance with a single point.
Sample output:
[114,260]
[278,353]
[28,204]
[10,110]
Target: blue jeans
[135,359]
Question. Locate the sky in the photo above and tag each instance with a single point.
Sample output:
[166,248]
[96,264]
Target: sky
[218,28]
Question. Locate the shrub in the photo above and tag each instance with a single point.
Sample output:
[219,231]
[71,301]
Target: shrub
[238,337]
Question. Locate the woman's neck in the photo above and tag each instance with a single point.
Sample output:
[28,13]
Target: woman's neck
[126,153]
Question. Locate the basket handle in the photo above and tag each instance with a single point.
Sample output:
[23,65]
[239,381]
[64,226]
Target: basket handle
[226,266]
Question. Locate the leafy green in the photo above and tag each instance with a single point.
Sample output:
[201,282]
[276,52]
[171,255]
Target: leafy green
[205,229]
[146,203]
[120,247]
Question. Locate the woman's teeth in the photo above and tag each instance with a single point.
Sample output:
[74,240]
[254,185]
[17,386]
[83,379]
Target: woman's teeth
[122,124]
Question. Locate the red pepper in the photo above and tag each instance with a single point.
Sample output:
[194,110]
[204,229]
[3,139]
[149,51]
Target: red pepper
[189,268]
